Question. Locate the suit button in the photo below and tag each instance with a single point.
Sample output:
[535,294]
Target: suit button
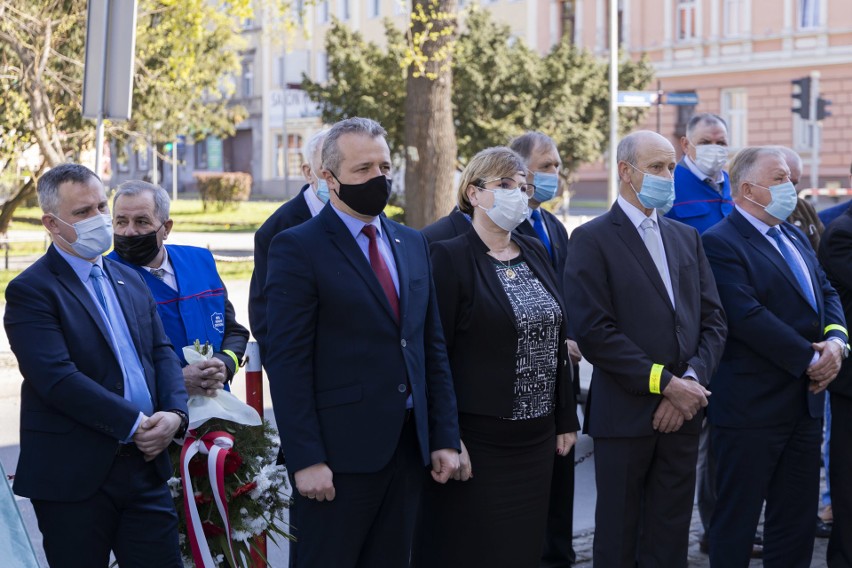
[119,386]
[678,329]
[403,343]
[402,388]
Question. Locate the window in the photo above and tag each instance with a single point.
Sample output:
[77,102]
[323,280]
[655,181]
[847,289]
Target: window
[686,11]
[809,16]
[735,18]
[375,8]
[294,153]
[569,15]
[343,9]
[322,67]
[400,7]
[201,155]
[247,79]
[299,11]
[142,160]
[323,12]
[735,112]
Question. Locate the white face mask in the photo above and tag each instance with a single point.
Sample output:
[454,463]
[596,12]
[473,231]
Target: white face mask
[711,158]
[510,209]
[94,235]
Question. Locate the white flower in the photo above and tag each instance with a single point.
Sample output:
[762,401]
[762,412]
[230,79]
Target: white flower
[174,487]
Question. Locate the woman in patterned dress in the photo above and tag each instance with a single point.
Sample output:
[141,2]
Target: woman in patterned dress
[504,323]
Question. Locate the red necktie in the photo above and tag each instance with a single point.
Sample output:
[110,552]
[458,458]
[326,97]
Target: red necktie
[377,262]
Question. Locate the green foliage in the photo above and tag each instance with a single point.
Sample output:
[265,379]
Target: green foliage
[501,88]
[223,189]
[363,80]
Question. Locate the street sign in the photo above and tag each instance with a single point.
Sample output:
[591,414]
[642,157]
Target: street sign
[637,98]
[682,99]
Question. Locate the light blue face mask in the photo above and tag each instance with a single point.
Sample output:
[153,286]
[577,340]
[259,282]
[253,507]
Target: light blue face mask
[546,186]
[783,201]
[322,190]
[656,192]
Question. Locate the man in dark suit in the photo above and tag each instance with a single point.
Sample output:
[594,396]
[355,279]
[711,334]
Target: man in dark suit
[102,395]
[191,298]
[835,255]
[640,290]
[786,339]
[357,364]
[543,163]
[311,199]
[449,227]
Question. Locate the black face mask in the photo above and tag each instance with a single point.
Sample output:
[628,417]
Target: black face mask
[368,198]
[138,249]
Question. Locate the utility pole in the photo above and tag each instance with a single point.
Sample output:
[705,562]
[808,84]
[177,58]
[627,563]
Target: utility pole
[613,101]
[816,129]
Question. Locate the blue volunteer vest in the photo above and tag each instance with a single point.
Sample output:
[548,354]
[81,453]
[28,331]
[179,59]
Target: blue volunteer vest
[696,203]
[196,310]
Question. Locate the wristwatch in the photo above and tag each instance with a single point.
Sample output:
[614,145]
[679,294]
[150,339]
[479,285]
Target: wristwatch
[184,424]
[844,347]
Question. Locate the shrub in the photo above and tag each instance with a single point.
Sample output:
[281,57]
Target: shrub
[223,189]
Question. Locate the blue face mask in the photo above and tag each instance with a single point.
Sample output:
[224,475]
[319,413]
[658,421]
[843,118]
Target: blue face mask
[783,201]
[546,186]
[322,190]
[656,192]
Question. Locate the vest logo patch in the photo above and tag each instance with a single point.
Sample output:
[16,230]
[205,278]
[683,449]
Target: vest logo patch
[218,321]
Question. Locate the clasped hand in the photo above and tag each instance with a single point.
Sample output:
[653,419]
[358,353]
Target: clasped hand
[824,369]
[155,433]
[687,396]
[205,378]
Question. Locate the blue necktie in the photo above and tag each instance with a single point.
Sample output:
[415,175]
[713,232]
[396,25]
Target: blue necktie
[538,225]
[795,268]
[135,387]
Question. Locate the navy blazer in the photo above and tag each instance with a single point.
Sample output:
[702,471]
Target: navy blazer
[293,212]
[73,411]
[338,361]
[448,227]
[557,234]
[762,379]
[835,255]
[625,322]
[480,328]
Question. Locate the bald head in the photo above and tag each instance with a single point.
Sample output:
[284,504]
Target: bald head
[643,152]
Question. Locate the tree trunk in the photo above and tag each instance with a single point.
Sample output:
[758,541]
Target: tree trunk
[430,137]
[8,209]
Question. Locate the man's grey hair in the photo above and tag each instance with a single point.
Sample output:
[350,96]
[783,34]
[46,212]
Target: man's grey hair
[704,118]
[135,187]
[331,156]
[743,165]
[49,182]
[526,144]
[790,155]
[309,151]
[626,151]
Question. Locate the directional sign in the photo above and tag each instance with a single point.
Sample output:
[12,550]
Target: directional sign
[637,98]
[682,99]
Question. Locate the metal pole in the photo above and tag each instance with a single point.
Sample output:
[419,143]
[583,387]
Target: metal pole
[155,174]
[659,103]
[174,170]
[99,132]
[254,398]
[816,131]
[613,100]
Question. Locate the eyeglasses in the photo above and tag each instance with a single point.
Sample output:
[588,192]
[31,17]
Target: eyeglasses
[509,184]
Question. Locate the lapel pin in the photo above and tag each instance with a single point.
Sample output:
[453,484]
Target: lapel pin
[397,240]
[120,282]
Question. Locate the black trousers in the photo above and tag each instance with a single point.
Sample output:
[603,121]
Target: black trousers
[645,489]
[132,514]
[370,522]
[840,545]
[780,465]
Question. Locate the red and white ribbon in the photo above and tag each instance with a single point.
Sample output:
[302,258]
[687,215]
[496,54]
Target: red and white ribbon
[217,446]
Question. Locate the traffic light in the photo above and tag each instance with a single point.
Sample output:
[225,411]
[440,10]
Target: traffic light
[822,108]
[802,97]
[167,148]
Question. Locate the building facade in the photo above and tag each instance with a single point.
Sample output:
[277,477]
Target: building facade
[739,57]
